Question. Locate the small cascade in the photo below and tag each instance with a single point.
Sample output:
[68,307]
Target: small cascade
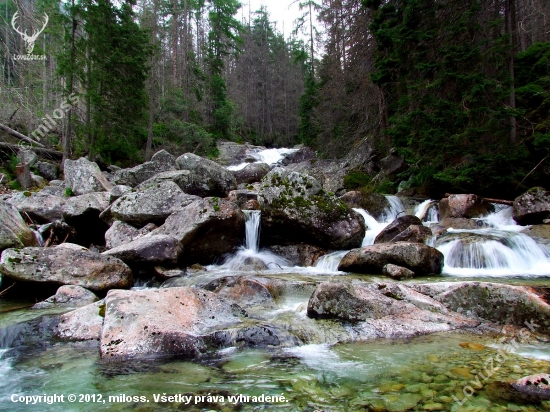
[374,227]
[269,156]
[498,250]
[427,211]
[329,262]
[252,229]
[250,257]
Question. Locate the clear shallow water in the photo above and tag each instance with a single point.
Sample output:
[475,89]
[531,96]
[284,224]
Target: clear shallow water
[389,375]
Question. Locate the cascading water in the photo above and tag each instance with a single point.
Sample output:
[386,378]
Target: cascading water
[374,226]
[496,251]
[427,211]
[252,229]
[269,156]
[330,262]
[248,256]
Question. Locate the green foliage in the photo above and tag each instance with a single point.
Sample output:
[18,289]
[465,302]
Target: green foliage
[533,95]
[356,179]
[445,82]
[308,102]
[69,192]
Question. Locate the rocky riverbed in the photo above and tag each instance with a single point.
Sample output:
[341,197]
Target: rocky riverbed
[167,260]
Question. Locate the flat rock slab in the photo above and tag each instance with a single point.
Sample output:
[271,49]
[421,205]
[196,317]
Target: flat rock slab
[162,322]
[82,324]
[503,304]
[68,296]
[156,249]
[66,264]
[384,310]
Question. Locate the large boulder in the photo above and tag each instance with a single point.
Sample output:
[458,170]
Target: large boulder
[14,233]
[162,322]
[245,292]
[532,207]
[396,227]
[68,296]
[120,233]
[254,172]
[464,206]
[421,259]
[207,229]
[41,207]
[83,176]
[392,164]
[301,254]
[504,304]
[389,310]
[156,250]
[161,161]
[151,202]
[66,264]
[296,209]
[215,180]
[243,197]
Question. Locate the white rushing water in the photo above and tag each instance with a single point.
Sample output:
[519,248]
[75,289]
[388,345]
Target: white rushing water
[496,251]
[329,262]
[269,156]
[248,256]
[427,211]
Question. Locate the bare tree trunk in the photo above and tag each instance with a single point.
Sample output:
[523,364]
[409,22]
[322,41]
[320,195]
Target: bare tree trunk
[153,88]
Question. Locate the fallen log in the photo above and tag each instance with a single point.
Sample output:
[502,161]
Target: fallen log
[20,136]
[500,201]
[39,150]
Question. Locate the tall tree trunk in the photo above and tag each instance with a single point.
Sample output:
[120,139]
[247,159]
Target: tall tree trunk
[67,137]
[153,88]
[510,13]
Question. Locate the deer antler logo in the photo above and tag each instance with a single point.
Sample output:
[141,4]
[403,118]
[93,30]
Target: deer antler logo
[29,40]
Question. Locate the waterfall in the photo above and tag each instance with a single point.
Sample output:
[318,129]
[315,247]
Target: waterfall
[329,262]
[247,257]
[39,238]
[373,226]
[499,250]
[427,211]
[252,229]
[269,156]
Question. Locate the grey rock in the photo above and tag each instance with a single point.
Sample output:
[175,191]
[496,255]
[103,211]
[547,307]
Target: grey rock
[301,254]
[151,203]
[118,191]
[120,233]
[296,209]
[58,191]
[14,233]
[85,205]
[82,324]
[162,322]
[464,206]
[396,227]
[42,207]
[391,310]
[414,233]
[503,304]
[254,172]
[532,207]
[419,258]
[206,228]
[68,296]
[215,179]
[158,249]
[65,264]
[83,176]
[397,272]
[242,291]
[392,164]
[27,156]
[242,197]
[160,162]
[38,181]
